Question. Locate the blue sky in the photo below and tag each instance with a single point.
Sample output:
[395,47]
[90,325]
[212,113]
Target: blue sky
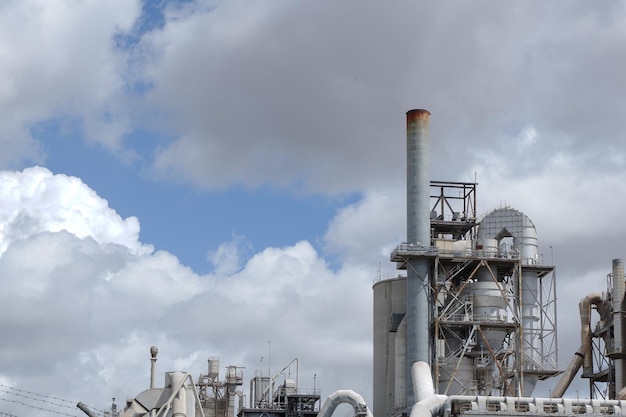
[263,216]
[205,176]
[190,222]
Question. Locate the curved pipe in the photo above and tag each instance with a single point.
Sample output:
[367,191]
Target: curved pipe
[429,407]
[428,403]
[582,356]
[344,397]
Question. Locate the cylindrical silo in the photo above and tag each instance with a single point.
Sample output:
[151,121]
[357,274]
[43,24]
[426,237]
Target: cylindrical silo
[389,342]
[214,369]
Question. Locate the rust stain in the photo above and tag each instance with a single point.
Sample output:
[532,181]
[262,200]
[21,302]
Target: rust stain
[417,114]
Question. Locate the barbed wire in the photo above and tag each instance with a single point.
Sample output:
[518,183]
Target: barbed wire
[7,414]
[47,399]
[49,410]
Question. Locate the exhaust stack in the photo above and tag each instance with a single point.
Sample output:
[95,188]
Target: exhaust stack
[418,233]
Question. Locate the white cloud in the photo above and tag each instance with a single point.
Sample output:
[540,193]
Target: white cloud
[35,200]
[367,231]
[59,61]
[226,259]
[84,306]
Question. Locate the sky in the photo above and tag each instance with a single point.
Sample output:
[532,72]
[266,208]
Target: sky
[227,178]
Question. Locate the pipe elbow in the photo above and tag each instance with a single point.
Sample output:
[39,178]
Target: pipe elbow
[429,407]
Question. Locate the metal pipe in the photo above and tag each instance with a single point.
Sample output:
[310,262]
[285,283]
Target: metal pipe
[344,397]
[418,233]
[418,177]
[428,403]
[86,410]
[618,332]
[583,356]
[422,381]
[153,358]
[481,405]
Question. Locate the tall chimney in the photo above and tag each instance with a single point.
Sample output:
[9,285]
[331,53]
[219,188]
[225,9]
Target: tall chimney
[418,177]
[618,324]
[418,234]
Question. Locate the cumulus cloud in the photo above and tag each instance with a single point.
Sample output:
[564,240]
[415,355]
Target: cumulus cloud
[84,306]
[59,61]
[366,231]
[227,258]
[35,200]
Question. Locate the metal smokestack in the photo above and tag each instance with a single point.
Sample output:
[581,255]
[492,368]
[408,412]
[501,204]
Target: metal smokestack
[618,324]
[418,234]
[418,177]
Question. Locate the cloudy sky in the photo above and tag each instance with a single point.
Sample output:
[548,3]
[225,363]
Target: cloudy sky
[226,178]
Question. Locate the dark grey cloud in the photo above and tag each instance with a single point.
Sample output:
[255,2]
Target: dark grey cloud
[314,96]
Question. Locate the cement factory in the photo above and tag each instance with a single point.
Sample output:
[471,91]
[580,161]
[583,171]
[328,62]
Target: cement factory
[467,326]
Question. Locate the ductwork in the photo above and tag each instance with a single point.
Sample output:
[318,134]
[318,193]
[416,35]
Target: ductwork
[344,397]
[428,403]
[582,356]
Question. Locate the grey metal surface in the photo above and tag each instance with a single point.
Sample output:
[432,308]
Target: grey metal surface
[618,326]
[418,315]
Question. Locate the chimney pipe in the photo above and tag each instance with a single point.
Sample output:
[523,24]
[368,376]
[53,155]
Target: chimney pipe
[418,234]
[418,176]
[618,324]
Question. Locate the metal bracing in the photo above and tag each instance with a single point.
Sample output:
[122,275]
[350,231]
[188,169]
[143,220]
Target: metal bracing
[601,384]
[456,324]
[459,331]
[547,300]
[453,210]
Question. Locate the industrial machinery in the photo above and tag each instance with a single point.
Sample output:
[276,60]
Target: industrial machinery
[469,328]
[602,352]
[477,303]
[211,397]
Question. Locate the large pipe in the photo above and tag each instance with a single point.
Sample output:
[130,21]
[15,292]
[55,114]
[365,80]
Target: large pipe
[418,177]
[583,355]
[423,386]
[344,397]
[428,403]
[86,410]
[418,233]
[618,332]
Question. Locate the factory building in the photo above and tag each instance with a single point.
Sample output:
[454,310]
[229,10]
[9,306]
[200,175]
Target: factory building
[477,302]
[467,326]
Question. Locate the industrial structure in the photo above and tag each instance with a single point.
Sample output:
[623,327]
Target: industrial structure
[473,318]
[477,302]
[467,325]
[209,396]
